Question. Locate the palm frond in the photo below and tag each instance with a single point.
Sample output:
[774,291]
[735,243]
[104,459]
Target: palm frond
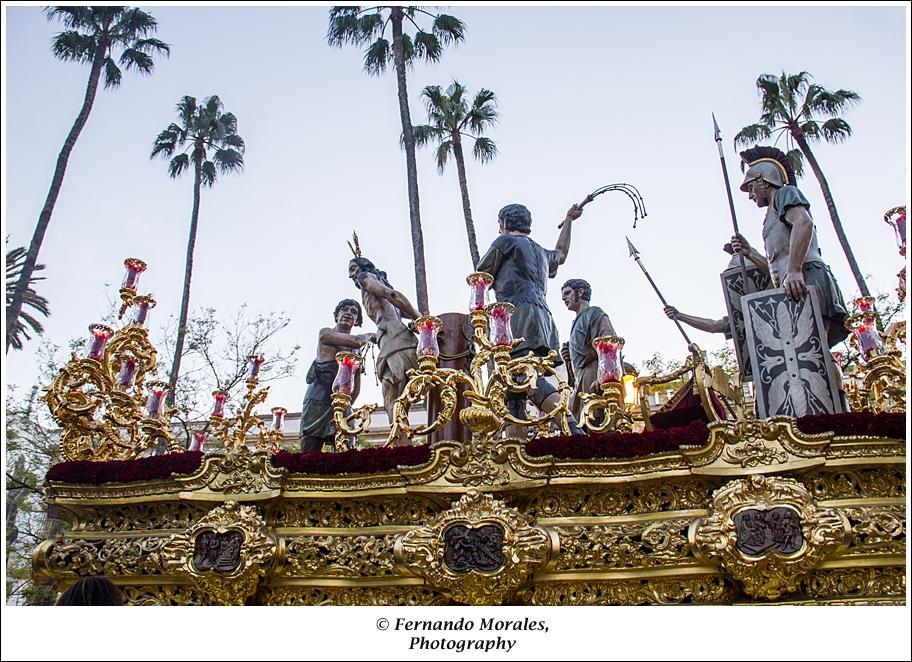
[832,103]
[485,149]
[752,134]
[186,108]
[177,165]
[151,45]
[15,261]
[448,29]
[112,75]
[228,160]
[443,151]
[133,24]
[836,130]
[74,18]
[796,158]
[344,27]
[208,173]
[377,56]
[74,47]
[427,46]
[165,142]
[423,134]
[133,59]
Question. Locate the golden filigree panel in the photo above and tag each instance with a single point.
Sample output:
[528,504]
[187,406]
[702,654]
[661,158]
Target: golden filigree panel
[642,545]
[340,556]
[654,497]
[380,511]
[887,482]
[123,557]
[791,544]
[856,583]
[379,596]
[877,530]
[140,517]
[631,592]
[161,596]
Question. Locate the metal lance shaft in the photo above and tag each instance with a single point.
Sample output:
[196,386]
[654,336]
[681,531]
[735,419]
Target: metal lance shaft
[635,254]
[731,203]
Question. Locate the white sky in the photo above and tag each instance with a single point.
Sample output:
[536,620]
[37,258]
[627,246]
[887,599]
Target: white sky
[588,96]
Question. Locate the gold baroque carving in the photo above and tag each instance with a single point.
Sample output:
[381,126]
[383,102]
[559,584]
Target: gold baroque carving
[887,482]
[380,596]
[108,556]
[643,545]
[257,553]
[769,574]
[631,592]
[479,462]
[856,582]
[140,517]
[668,495]
[380,511]
[525,546]
[877,530]
[237,471]
[161,596]
[339,556]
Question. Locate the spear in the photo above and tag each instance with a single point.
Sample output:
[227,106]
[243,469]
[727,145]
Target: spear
[731,203]
[635,254]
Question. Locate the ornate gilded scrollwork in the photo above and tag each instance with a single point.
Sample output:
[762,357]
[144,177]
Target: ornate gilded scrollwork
[480,551]
[684,590]
[239,471]
[768,534]
[479,462]
[225,553]
[606,412]
[635,545]
[98,402]
[380,596]
[233,431]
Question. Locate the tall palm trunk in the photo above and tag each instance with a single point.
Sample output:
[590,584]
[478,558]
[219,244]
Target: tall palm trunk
[44,219]
[397,15]
[834,215]
[188,274]
[464,189]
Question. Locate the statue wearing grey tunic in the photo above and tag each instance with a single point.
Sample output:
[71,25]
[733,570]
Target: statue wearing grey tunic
[590,324]
[316,413]
[776,240]
[521,269]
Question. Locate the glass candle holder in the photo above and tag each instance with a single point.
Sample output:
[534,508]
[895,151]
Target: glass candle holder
[479,284]
[428,328]
[141,307]
[155,401]
[127,373]
[896,219]
[345,375]
[278,419]
[218,409]
[865,305]
[254,362]
[869,341]
[198,441]
[610,365]
[134,266]
[499,314]
[101,334]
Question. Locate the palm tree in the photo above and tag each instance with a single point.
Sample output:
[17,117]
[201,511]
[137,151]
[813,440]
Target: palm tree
[367,27]
[791,106]
[91,37]
[210,136]
[15,260]
[449,120]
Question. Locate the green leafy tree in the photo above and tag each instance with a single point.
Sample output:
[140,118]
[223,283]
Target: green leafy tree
[37,304]
[793,106]
[366,27]
[206,139]
[93,35]
[450,120]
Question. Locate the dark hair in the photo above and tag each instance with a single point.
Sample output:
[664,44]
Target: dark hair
[748,156]
[91,591]
[579,284]
[348,302]
[516,218]
[367,265]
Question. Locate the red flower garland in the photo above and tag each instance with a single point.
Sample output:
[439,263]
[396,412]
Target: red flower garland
[367,461]
[892,426]
[620,445]
[156,467]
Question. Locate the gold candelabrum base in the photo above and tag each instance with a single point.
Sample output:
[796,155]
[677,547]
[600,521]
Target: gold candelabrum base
[606,411]
[349,425]
[233,431]
[102,415]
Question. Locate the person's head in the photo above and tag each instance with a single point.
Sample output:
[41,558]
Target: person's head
[515,218]
[348,313]
[91,591]
[574,292]
[768,170]
[358,266]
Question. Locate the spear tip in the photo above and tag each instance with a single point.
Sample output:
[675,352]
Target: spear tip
[634,253]
[716,128]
